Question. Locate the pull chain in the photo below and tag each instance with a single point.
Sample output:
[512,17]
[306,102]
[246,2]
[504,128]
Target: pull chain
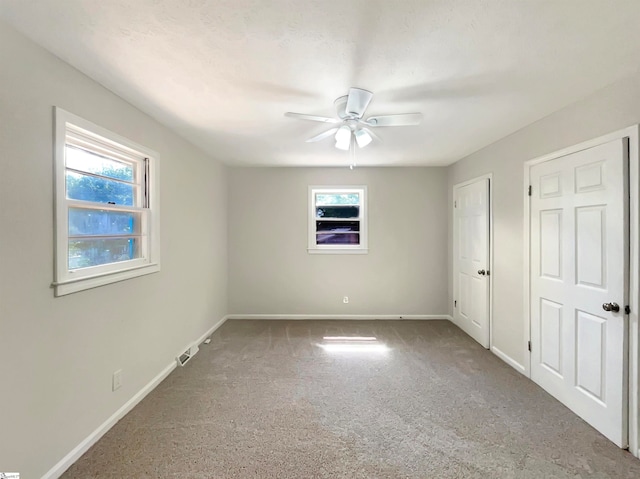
[352,151]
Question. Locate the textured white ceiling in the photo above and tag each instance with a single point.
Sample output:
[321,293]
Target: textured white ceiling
[222,73]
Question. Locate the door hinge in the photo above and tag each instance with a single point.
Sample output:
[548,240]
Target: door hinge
[530,190]
[529,346]
[455,304]
[627,309]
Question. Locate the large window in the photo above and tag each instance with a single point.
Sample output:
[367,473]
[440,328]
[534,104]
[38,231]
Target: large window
[337,219]
[106,206]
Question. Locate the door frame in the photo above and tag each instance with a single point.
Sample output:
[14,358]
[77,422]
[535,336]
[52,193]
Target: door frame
[633,359]
[456,187]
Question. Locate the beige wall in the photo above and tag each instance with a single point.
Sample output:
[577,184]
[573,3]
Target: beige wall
[611,109]
[270,271]
[57,355]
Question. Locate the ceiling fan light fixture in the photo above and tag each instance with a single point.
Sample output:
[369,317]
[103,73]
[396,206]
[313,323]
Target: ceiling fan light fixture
[363,138]
[343,137]
[343,145]
[351,127]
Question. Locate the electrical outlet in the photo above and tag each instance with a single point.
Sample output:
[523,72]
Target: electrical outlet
[345,300]
[117,380]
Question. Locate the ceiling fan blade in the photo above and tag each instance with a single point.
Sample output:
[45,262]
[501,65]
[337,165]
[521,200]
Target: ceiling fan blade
[358,101]
[341,106]
[303,116]
[323,135]
[373,134]
[406,119]
[363,138]
[343,138]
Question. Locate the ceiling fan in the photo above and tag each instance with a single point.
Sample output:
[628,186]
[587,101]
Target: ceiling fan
[351,127]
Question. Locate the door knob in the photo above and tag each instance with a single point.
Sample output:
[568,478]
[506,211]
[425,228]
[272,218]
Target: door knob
[611,307]
[482,272]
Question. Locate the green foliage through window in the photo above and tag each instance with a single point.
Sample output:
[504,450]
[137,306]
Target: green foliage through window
[337,199]
[98,190]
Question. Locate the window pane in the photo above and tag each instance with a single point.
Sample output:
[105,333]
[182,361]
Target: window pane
[101,223]
[92,252]
[338,238]
[83,160]
[337,211]
[337,199]
[337,226]
[98,190]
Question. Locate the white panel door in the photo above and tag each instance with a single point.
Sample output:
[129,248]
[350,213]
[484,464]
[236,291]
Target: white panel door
[471,260]
[579,247]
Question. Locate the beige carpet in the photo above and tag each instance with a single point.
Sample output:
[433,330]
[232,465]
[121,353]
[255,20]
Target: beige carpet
[265,400]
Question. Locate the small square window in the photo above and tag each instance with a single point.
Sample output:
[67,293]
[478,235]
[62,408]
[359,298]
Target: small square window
[337,220]
[106,206]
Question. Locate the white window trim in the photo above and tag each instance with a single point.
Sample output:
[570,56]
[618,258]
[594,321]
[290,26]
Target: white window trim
[363,247]
[65,281]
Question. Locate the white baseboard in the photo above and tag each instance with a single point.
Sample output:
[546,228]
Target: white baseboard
[75,454]
[67,461]
[340,316]
[509,360]
[201,339]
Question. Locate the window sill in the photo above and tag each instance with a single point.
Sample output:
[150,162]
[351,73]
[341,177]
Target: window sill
[74,285]
[337,251]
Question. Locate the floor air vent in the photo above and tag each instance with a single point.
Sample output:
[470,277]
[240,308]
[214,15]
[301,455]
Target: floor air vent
[187,355]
